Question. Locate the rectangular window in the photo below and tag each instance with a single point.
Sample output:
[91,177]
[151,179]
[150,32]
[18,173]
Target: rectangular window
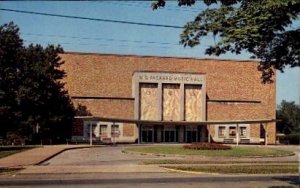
[103,130]
[221,131]
[115,130]
[94,130]
[232,131]
[243,131]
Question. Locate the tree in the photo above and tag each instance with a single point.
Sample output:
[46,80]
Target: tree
[289,115]
[10,54]
[32,95]
[82,110]
[261,27]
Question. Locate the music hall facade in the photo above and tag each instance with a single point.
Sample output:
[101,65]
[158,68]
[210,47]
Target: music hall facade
[146,99]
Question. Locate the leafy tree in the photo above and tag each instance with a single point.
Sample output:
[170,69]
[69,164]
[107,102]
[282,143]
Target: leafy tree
[261,27]
[10,55]
[289,115]
[82,110]
[32,96]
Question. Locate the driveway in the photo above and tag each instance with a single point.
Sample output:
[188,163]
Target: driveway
[107,155]
[108,159]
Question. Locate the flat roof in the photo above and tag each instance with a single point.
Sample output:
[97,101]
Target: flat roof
[167,57]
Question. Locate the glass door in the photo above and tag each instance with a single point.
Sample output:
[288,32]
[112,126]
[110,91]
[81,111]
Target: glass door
[147,134]
[170,134]
[191,133]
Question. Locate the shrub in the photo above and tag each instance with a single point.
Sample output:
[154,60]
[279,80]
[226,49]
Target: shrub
[206,146]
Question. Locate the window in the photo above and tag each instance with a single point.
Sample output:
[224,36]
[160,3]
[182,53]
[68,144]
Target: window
[94,130]
[103,130]
[243,131]
[232,131]
[115,130]
[221,131]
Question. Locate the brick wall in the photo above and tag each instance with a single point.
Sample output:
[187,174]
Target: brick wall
[271,128]
[107,108]
[128,129]
[111,76]
[255,130]
[99,75]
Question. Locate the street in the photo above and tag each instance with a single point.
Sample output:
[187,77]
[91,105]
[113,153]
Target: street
[110,167]
[147,180]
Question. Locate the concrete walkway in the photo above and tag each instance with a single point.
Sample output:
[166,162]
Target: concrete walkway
[72,169]
[35,156]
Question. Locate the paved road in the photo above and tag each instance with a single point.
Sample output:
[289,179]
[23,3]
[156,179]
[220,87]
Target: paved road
[110,155]
[109,167]
[96,160]
[114,156]
[147,180]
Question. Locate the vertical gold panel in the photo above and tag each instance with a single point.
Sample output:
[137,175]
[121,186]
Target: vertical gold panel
[149,102]
[171,102]
[193,103]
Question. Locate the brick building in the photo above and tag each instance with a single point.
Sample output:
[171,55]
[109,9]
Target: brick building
[165,99]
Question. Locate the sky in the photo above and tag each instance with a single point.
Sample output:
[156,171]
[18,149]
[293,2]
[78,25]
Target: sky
[80,35]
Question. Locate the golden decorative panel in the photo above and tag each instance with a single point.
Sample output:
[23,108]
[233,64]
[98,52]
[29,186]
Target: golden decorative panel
[193,103]
[149,102]
[171,102]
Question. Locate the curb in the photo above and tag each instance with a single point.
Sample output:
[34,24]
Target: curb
[176,155]
[188,172]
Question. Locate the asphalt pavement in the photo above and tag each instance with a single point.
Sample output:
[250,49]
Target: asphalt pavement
[149,180]
[109,166]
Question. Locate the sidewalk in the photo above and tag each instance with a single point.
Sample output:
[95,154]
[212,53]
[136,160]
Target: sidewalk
[35,156]
[72,169]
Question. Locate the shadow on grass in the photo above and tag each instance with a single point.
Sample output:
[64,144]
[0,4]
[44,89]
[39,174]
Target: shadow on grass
[4,171]
[10,150]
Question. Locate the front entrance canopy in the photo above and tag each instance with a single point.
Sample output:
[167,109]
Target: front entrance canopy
[150,122]
[182,123]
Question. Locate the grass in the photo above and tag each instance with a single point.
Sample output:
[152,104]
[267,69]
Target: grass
[240,169]
[182,161]
[10,150]
[9,170]
[7,153]
[234,152]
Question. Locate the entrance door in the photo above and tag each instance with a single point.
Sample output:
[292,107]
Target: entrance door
[191,134]
[147,134]
[170,136]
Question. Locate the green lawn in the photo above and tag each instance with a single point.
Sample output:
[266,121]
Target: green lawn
[9,170]
[234,152]
[7,153]
[237,169]
[203,162]
[10,150]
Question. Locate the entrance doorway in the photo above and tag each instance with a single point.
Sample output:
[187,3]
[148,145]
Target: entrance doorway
[147,134]
[170,134]
[191,134]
